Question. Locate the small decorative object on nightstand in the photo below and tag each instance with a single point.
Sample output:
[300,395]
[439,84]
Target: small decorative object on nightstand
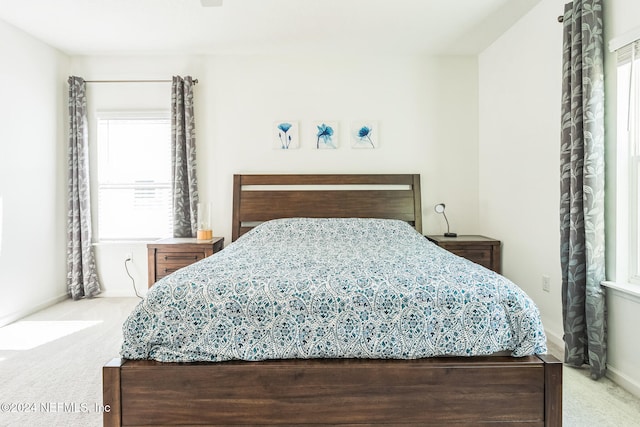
[204,222]
[439,208]
[168,255]
[479,249]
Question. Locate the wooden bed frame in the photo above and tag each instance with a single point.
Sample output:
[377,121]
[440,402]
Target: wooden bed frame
[501,390]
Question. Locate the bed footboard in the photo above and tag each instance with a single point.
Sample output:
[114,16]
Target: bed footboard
[527,391]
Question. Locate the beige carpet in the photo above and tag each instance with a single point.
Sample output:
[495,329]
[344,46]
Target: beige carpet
[59,382]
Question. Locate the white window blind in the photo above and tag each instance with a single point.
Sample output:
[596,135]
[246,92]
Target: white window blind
[134,176]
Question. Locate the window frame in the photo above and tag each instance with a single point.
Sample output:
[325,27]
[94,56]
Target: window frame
[99,116]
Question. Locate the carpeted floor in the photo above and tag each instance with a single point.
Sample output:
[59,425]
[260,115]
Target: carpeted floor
[48,378]
[59,383]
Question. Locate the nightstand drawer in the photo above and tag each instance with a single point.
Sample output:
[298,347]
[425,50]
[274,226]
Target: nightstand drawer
[479,255]
[479,249]
[169,261]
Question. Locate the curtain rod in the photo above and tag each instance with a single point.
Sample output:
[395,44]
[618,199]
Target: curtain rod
[133,81]
[560,19]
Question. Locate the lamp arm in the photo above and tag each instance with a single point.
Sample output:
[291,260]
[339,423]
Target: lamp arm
[445,218]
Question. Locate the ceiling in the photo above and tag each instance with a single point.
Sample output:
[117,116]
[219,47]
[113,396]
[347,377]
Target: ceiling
[315,27]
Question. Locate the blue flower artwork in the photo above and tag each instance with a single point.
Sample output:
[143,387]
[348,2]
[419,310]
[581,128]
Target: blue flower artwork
[286,135]
[326,135]
[364,134]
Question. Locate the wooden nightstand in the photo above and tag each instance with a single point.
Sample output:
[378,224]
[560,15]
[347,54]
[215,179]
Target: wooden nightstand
[479,249]
[168,255]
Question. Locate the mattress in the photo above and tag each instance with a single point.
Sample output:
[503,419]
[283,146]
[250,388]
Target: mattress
[332,288]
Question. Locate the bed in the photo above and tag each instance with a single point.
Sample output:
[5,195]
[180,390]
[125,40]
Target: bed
[217,377]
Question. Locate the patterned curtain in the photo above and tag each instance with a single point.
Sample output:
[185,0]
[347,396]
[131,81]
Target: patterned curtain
[582,188]
[82,278]
[183,158]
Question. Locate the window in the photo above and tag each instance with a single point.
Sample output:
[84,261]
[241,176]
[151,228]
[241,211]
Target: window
[134,176]
[628,161]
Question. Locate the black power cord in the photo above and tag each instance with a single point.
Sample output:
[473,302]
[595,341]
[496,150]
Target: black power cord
[133,282]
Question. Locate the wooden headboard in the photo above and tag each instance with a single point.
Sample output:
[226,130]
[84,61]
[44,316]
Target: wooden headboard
[259,198]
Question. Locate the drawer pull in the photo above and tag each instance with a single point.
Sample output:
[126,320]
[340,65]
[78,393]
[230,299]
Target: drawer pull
[181,257]
[170,270]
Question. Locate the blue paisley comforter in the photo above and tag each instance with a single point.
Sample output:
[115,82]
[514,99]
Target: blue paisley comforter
[332,288]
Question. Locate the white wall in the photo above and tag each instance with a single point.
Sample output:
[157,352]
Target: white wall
[426,108]
[519,145]
[32,174]
[520,84]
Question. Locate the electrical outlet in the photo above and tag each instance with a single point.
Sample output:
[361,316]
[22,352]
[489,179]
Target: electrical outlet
[128,257]
[546,283]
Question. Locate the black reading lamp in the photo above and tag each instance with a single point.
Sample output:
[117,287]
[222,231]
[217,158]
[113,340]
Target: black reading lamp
[439,208]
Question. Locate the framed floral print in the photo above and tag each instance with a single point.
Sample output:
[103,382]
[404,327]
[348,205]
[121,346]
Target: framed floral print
[364,134]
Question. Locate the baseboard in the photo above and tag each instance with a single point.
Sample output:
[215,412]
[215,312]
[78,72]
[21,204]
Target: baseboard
[555,344]
[629,384]
[120,294]
[17,315]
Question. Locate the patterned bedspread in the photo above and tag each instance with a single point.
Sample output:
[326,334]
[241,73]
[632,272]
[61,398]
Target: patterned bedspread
[332,288]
